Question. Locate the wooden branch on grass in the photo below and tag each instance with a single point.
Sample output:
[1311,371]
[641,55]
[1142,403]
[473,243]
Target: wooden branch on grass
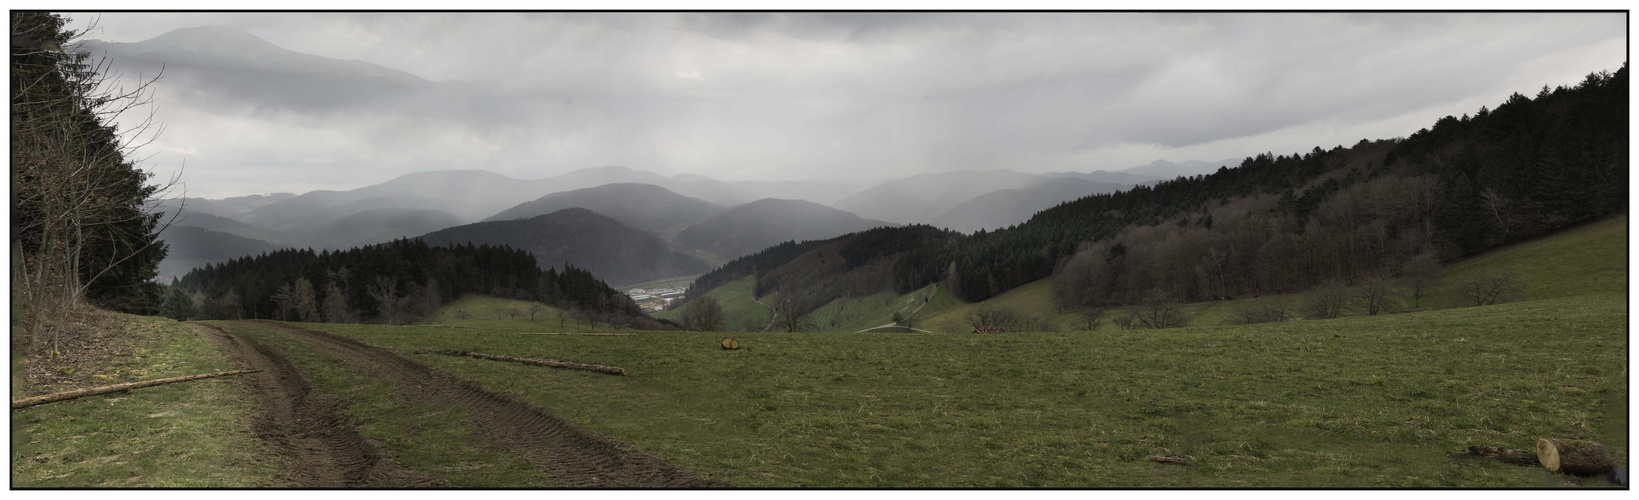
[585,334]
[64,396]
[612,370]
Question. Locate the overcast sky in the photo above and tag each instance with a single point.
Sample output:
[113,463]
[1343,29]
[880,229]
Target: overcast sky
[849,97]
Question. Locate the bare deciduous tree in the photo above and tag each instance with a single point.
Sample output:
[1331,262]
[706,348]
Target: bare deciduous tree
[1005,319]
[790,310]
[1492,289]
[1377,295]
[1422,274]
[1160,310]
[1089,318]
[1327,301]
[703,315]
[389,306]
[1267,313]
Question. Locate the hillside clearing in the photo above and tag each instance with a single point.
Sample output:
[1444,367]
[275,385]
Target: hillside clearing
[1360,401]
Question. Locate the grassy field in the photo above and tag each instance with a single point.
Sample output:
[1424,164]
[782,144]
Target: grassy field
[855,314]
[1356,401]
[434,441]
[1362,401]
[194,434]
[739,308]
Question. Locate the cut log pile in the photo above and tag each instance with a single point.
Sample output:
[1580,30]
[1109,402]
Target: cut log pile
[80,393]
[554,363]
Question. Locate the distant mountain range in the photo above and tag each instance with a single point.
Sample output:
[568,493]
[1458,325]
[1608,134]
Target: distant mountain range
[618,254]
[192,247]
[1006,207]
[644,207]
[763,223]
[725,225]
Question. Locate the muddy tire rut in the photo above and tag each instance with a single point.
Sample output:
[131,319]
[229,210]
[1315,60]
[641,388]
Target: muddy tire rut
[306,428]
[569,456]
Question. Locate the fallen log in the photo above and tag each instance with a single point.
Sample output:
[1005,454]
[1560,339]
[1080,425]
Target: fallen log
[1169,459]
[80,393]
[1577,458]
[585,333]
[612,370]
[1504,455]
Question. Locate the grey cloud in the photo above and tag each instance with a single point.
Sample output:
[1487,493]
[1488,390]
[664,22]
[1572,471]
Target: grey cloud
[844,96]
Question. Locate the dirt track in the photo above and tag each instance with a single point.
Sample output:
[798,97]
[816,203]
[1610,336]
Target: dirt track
[306,428]
[569,456]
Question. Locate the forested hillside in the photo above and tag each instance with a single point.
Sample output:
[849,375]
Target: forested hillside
[396,282]
[81,227]
[1359,214]
[1279,223]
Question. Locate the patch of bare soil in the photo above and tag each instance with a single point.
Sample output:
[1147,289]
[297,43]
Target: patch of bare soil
[571,457]
[77,348]
[308,429]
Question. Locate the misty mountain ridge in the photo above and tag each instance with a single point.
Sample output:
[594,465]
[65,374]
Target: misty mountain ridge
[608,249]
[921,198]
[1166,170]
[1006,207]
[763,223]
[644,207]
[191,247]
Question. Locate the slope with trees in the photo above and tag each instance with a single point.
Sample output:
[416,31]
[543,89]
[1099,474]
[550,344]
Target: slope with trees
[396,282]
[1280,223]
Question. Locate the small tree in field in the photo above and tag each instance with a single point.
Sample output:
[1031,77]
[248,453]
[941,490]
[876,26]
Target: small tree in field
[1160,310]
[1089,319]
[1327,301]
[1490,289]
[1377,295]
[1422,275]
[703,315]
[536,308]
